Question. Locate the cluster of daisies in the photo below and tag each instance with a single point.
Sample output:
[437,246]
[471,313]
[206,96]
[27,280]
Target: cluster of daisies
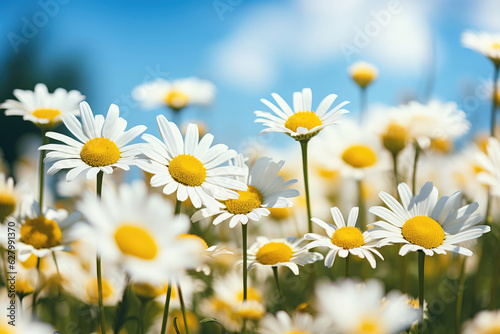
[145,256]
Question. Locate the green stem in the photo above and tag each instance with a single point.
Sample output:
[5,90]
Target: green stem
[421,265]
[395,172]
[303,145]
[280,293]
[361,205]
[347,266]
[142,310]
[404,272]
[414,176]
[165,309]
[364,103]
[178,205]
[494,100]
[102,318]
[35,293]
[245,269]
[183,306]
[45,140]
[494,284]
[460,298]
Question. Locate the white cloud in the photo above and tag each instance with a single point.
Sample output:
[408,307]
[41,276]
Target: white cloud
[305,33]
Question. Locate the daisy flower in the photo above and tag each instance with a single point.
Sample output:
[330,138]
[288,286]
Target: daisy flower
[8,197]
[101,144]
[281,253]
[190,166]
[175,94]
[298,323]
[363,73]
[140,232]
[344,239]
[426,222]
[490,164]
[485,322]
[40,234]
[363,309]
[301,123]
[391,126]
[487,44]
[266,189]
[41,107]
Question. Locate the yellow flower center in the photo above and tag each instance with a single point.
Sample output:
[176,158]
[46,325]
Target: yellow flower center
[252,294]
[249,199]
[273,253]
[326,173]
[193,237]
[176,99]
[297,332]
[494,329]
[100,152]
[30,262]
[394,138]
[46,113]
[442,145]
[359,156]
[369,326]
[303,119]
[423,231]
[7,204]
[363,76]
[249,311]
[23,287]
[41,233]
[279,213]
[7,329]
[136,241]
[92,290]
[192,320]
[187,170]
[348,237]
[495,46]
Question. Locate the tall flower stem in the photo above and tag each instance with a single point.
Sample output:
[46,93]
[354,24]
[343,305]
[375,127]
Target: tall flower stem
[142,310]
[245,269]
[280,293]
[100,176]
[303,146]
[494,100]
[421,271]
[494,284]
[35,292]
[364,103]
[460,298]
[346,266]
[183,306]
[361,205]
[45,141]
[415,162]
[178,205]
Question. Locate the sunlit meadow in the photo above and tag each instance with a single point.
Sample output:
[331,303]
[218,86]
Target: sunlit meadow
[250,167]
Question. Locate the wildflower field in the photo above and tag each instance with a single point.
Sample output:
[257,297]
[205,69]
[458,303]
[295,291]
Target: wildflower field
[347,216]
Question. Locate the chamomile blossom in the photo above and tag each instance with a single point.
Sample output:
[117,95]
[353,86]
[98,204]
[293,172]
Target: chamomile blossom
[266,189]
[41,107]
[101,144]
[8,197]
[298,323]
[301,122]
[426,222]
[190,166]
[207,254]
[485,43]
[344,239]
[490,165]
[140,232]
[361,308]
[289,252]
[363,73]
[41,234]
[485,322]
[175,94]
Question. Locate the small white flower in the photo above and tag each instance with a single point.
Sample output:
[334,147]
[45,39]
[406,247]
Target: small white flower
[363,73]
[298,323]
[302,122]
[426,222]
[482,42]
[41,107]
[490,163]
[344,239]
[101,144]
[281,253]
[485,322]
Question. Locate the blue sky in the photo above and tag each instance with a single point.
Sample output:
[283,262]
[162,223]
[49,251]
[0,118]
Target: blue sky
[254,48]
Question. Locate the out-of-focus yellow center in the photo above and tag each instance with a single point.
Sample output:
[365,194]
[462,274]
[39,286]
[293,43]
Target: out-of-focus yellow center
[136,241]
[192,320]
[193,237]
[394,138]
[279,213]
[273,253]
[41,233]
[30,262]
[249,199]
[7,329]
[443,145]
[187,170]
[493,329]
[495,46]
[46,113]
[363,75]
[369,326]
[7,204]
[252,294]
[423,231]
[297,332]
[176,99]
[348,237]
[100,152]
[303,119]
[23,287]
[359,156]
[92,290]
